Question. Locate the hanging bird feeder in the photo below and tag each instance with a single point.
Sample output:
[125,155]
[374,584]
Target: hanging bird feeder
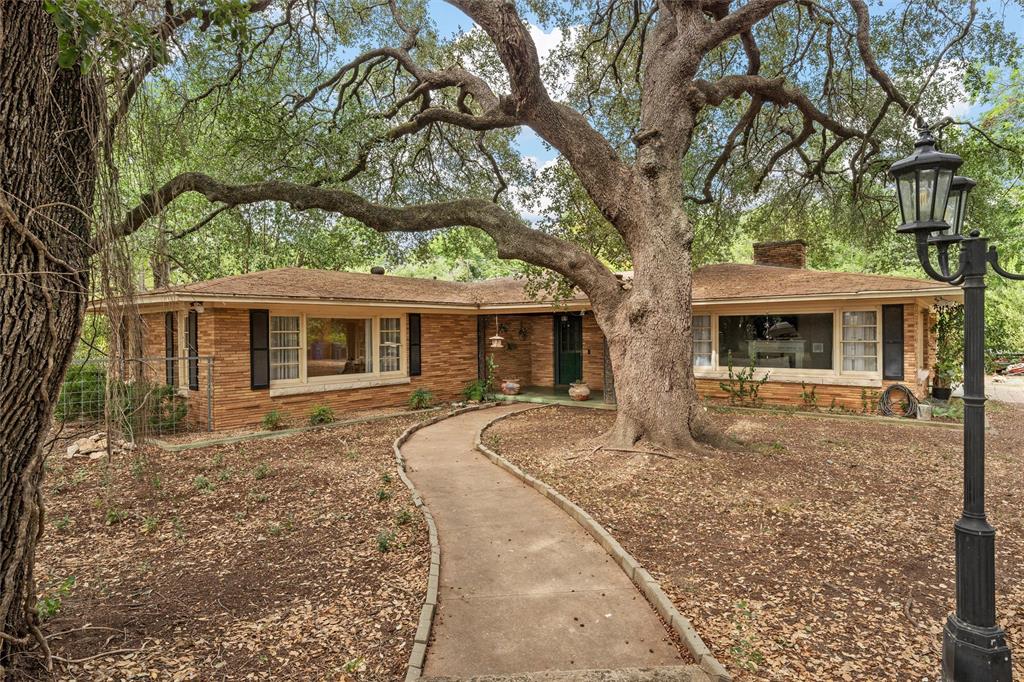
[497,341]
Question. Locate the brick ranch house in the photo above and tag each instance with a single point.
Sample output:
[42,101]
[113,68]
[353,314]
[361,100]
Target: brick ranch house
[291,338]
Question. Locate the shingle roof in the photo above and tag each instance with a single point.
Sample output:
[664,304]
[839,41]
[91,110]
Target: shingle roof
[727,281]
[721,282]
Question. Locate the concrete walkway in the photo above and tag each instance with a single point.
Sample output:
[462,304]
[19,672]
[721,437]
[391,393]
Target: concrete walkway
[522,587]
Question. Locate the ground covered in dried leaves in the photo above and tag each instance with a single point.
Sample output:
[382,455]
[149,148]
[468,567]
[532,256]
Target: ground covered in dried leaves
[297,558]
[821,550]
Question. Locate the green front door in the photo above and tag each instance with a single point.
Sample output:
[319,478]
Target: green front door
[568,349]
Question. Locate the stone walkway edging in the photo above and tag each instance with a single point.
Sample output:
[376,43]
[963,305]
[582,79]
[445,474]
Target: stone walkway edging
[419,648]
[644,581]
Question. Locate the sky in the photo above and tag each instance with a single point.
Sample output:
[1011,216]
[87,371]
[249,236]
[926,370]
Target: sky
[450,20]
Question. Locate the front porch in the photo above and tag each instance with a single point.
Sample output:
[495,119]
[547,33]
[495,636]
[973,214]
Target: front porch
[557,395]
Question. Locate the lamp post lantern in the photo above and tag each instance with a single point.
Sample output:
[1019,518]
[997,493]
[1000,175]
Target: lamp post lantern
[933,205]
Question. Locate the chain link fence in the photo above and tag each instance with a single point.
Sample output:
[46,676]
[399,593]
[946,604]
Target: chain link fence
[139,397]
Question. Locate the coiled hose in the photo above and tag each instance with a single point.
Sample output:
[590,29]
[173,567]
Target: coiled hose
[885,403]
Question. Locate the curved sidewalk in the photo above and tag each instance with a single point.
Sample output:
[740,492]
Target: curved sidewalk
[523,587]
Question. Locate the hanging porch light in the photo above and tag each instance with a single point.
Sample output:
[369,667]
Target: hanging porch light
[497,341]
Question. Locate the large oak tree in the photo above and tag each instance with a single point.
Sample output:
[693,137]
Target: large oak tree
[658,110]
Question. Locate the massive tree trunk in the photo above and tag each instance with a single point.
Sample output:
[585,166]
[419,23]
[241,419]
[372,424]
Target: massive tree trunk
[47,180]
[649,335]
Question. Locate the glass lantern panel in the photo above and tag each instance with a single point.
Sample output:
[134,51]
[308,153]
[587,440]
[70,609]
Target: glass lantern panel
[906,191]
[951,213]
[942,192]
[925,194]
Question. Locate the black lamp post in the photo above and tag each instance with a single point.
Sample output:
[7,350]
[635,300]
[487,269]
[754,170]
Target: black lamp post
[933,204]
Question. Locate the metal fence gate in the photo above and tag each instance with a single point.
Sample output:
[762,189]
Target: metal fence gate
[140,397]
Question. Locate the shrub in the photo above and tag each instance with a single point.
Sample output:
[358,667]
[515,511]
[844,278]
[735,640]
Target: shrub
[261,471]
[421,399]
[403,517]
[383,495]
[83,393]
[115,516]
[742,388]
[272,420]
[49,605]
[321,414]
[201,482]
[166,408]
[475,390]
[385,540]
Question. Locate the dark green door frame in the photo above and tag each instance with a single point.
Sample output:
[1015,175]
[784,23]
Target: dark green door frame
[568,348]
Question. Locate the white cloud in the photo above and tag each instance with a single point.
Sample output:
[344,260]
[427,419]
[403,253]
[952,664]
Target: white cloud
[557,77]
[950,78]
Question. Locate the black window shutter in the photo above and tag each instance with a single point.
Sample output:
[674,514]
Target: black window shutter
[892,342]
[259,349]
[192,334]
[170,341]
[415,348]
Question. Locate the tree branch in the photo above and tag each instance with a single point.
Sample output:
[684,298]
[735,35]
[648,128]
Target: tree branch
[512,236]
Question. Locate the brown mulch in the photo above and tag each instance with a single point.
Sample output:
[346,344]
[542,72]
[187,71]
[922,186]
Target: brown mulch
[255,560]
[197,436]
[821,550]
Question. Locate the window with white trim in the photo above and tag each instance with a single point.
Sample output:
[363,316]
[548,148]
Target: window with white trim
[701,340]
[860,341]
[284,347]
[308,349]
[390,344]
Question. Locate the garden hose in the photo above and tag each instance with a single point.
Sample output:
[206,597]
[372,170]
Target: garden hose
[885,403]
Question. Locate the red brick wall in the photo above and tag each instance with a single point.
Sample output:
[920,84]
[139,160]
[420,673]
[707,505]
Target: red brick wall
[542,351]
[448,364]
[593,353]
[514,360]
[450,361]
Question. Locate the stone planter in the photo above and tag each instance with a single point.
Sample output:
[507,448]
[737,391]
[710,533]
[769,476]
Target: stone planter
[511,386]
[579,391]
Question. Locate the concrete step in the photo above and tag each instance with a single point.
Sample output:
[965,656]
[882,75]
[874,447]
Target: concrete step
[682,673]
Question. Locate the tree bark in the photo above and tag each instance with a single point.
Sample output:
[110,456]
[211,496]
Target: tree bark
[47,181]
[649,333]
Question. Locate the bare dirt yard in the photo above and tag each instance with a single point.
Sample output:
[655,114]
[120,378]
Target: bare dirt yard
[299,558]
[821,550]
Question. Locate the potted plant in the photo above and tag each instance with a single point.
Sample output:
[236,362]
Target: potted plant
[511,386]
[579,390]
[942,382]
[949,351]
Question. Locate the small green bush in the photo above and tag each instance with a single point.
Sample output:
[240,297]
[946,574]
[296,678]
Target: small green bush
[114,516]
[321,414]
[83,393]
[383,495]
[403,517]
[385,540]
[272,420]
[202,483]
[261,471]
[421,399]
[166,408]
[475,390]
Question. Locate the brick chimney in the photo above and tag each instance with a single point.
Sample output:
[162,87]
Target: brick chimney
[789,254]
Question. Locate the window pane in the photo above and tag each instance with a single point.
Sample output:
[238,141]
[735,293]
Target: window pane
[702,340]
[776,341]
[390,344]
[284,348]
[336,346]
[860,341]
[860,364]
